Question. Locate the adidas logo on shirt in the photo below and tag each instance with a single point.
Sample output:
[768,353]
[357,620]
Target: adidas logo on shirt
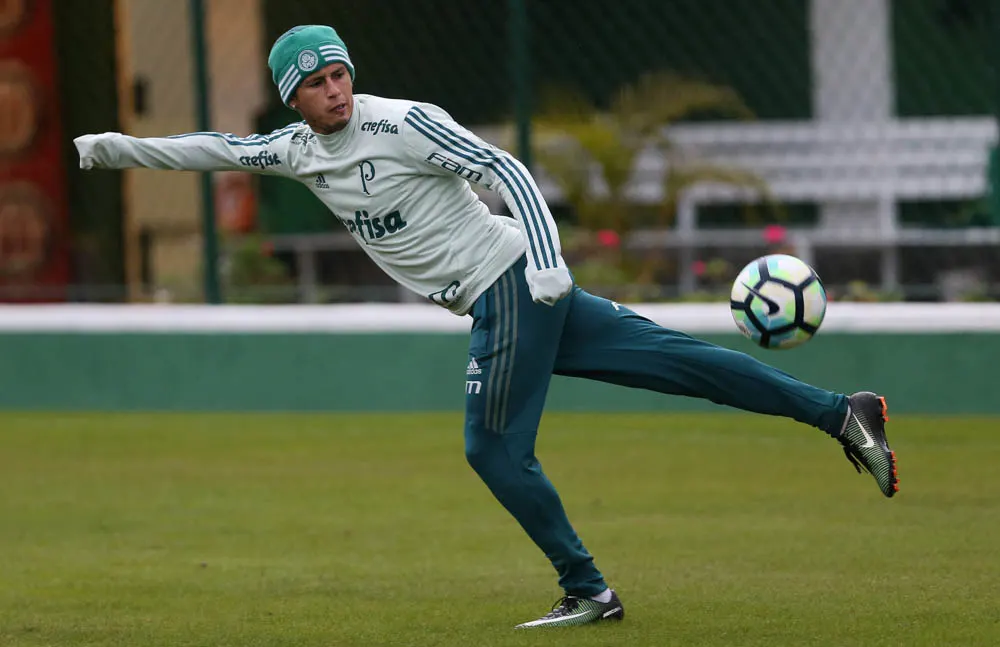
[473,368]
[321,182]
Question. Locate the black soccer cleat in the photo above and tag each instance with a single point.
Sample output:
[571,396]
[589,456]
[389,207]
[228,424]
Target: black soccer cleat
[570,611]
[864,441]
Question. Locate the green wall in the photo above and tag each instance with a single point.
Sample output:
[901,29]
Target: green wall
[86,45]
[456,54]
[359,372]
[945,53]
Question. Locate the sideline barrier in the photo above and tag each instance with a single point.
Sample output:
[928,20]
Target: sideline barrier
[933,358]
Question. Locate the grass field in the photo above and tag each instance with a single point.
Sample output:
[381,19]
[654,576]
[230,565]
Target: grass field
[212,530]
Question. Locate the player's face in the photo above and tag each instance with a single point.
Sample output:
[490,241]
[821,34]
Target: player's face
[326,99]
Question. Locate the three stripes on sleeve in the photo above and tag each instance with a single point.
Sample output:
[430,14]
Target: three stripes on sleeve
[509,171]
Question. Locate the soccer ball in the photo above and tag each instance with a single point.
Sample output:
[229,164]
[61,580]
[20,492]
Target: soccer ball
[778,301]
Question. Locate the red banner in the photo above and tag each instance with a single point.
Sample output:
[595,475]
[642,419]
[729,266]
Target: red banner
[34,252]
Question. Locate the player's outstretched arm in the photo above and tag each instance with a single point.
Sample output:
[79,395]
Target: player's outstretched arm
[446,147]
[190,152]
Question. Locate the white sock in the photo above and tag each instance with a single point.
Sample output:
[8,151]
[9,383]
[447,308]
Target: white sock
[603,597]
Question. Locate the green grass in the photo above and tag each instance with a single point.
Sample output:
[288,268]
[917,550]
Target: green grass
[175,530]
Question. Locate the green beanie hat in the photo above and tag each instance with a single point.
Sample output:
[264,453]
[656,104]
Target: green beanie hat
[302,50]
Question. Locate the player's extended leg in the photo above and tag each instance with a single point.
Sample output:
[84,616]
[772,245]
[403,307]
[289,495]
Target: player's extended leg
[512,352]
[605,341]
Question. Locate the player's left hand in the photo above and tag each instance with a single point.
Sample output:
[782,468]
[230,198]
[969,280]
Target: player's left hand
[550,285]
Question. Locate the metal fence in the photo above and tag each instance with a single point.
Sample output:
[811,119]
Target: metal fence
[858,134]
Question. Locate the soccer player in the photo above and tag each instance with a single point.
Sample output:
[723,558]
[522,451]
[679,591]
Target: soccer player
[397,174]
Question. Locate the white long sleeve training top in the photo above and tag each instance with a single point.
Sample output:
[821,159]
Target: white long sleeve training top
[398,177]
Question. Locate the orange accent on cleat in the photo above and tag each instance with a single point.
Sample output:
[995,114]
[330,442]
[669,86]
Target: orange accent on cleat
[885,409]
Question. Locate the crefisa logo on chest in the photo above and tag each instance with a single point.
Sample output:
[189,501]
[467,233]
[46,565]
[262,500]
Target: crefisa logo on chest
[373,228]
[377,127]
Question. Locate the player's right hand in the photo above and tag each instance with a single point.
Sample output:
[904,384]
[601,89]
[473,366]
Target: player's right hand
[94,150]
